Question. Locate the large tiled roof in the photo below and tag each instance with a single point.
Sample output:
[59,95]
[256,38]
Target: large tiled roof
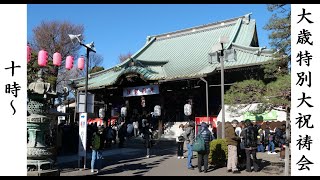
[185,53]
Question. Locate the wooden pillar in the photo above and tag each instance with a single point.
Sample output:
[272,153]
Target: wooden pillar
[163,112]
[106,106]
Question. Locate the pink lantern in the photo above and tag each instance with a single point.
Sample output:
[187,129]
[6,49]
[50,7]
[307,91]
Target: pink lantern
[28,53]
[42,58]
[69,62]
[57,59]
[81,63]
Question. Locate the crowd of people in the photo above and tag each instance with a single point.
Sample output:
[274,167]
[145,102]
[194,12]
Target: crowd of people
[186,134]
[244,140]
[102,137]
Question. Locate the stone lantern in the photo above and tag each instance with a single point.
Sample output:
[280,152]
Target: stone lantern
[40,144]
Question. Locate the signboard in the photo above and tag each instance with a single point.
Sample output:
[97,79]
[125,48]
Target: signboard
[62,109]
[271,115]
[81,103]
[241,112]
[141,90]
[82,134]
[210,121]
[112,121]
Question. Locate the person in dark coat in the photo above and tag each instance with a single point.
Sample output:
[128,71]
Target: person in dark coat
[249,135]
[147,136]
[260,141]
[122,130]
[204,155]
[282,140]
[97,144]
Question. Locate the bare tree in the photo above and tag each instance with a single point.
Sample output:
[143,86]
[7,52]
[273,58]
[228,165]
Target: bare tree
[52,36]
[65,75]
[123,57]
[95,60]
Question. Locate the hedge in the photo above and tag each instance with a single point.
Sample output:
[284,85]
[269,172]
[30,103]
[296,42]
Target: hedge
[218,152]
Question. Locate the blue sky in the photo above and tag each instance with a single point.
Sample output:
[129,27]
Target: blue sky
[119,29]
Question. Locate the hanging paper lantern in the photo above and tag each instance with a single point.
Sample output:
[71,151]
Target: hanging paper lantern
[57,59]
[123,111]
[28,53]
[69,62]
[187,109]
[81,63]
[143,102]
[101,113]
[42,58]
[157,111]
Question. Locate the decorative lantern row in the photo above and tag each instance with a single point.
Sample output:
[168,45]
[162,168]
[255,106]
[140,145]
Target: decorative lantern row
[57,60]
[28,53]
[81,63]
[69,62]
[42,58]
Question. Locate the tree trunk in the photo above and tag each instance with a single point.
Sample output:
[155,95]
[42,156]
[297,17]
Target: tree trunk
[287,148]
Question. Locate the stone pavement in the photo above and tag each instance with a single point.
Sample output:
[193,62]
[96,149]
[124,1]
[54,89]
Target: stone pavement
[69,164]
[73,158]
[169,165]
[163,162]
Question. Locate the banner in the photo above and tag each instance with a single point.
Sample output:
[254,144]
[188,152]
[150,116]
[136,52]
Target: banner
[305,44]
[211,121]
[82,134]
[271,115]
[141,90]
[13,19]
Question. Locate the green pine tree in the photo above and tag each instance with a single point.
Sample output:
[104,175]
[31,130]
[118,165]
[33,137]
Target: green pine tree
[275,90]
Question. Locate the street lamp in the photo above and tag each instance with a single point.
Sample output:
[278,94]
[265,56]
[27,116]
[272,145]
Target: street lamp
[89,47]
[219,49]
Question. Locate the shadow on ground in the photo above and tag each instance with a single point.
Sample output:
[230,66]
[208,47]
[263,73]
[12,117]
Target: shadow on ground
[264,166]
[160,149]
[140,168]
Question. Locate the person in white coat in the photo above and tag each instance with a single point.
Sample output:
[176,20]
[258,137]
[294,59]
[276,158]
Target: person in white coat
[180,141]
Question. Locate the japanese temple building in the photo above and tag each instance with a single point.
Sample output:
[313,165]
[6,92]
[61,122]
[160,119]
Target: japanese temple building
[168,68]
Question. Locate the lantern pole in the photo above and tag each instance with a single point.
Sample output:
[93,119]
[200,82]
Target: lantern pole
[89,47]
[222,93]
[220,53]
[86,89]
[207,97]
[86,85]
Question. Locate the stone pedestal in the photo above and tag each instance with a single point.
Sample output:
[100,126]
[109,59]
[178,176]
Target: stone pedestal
[39,148]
